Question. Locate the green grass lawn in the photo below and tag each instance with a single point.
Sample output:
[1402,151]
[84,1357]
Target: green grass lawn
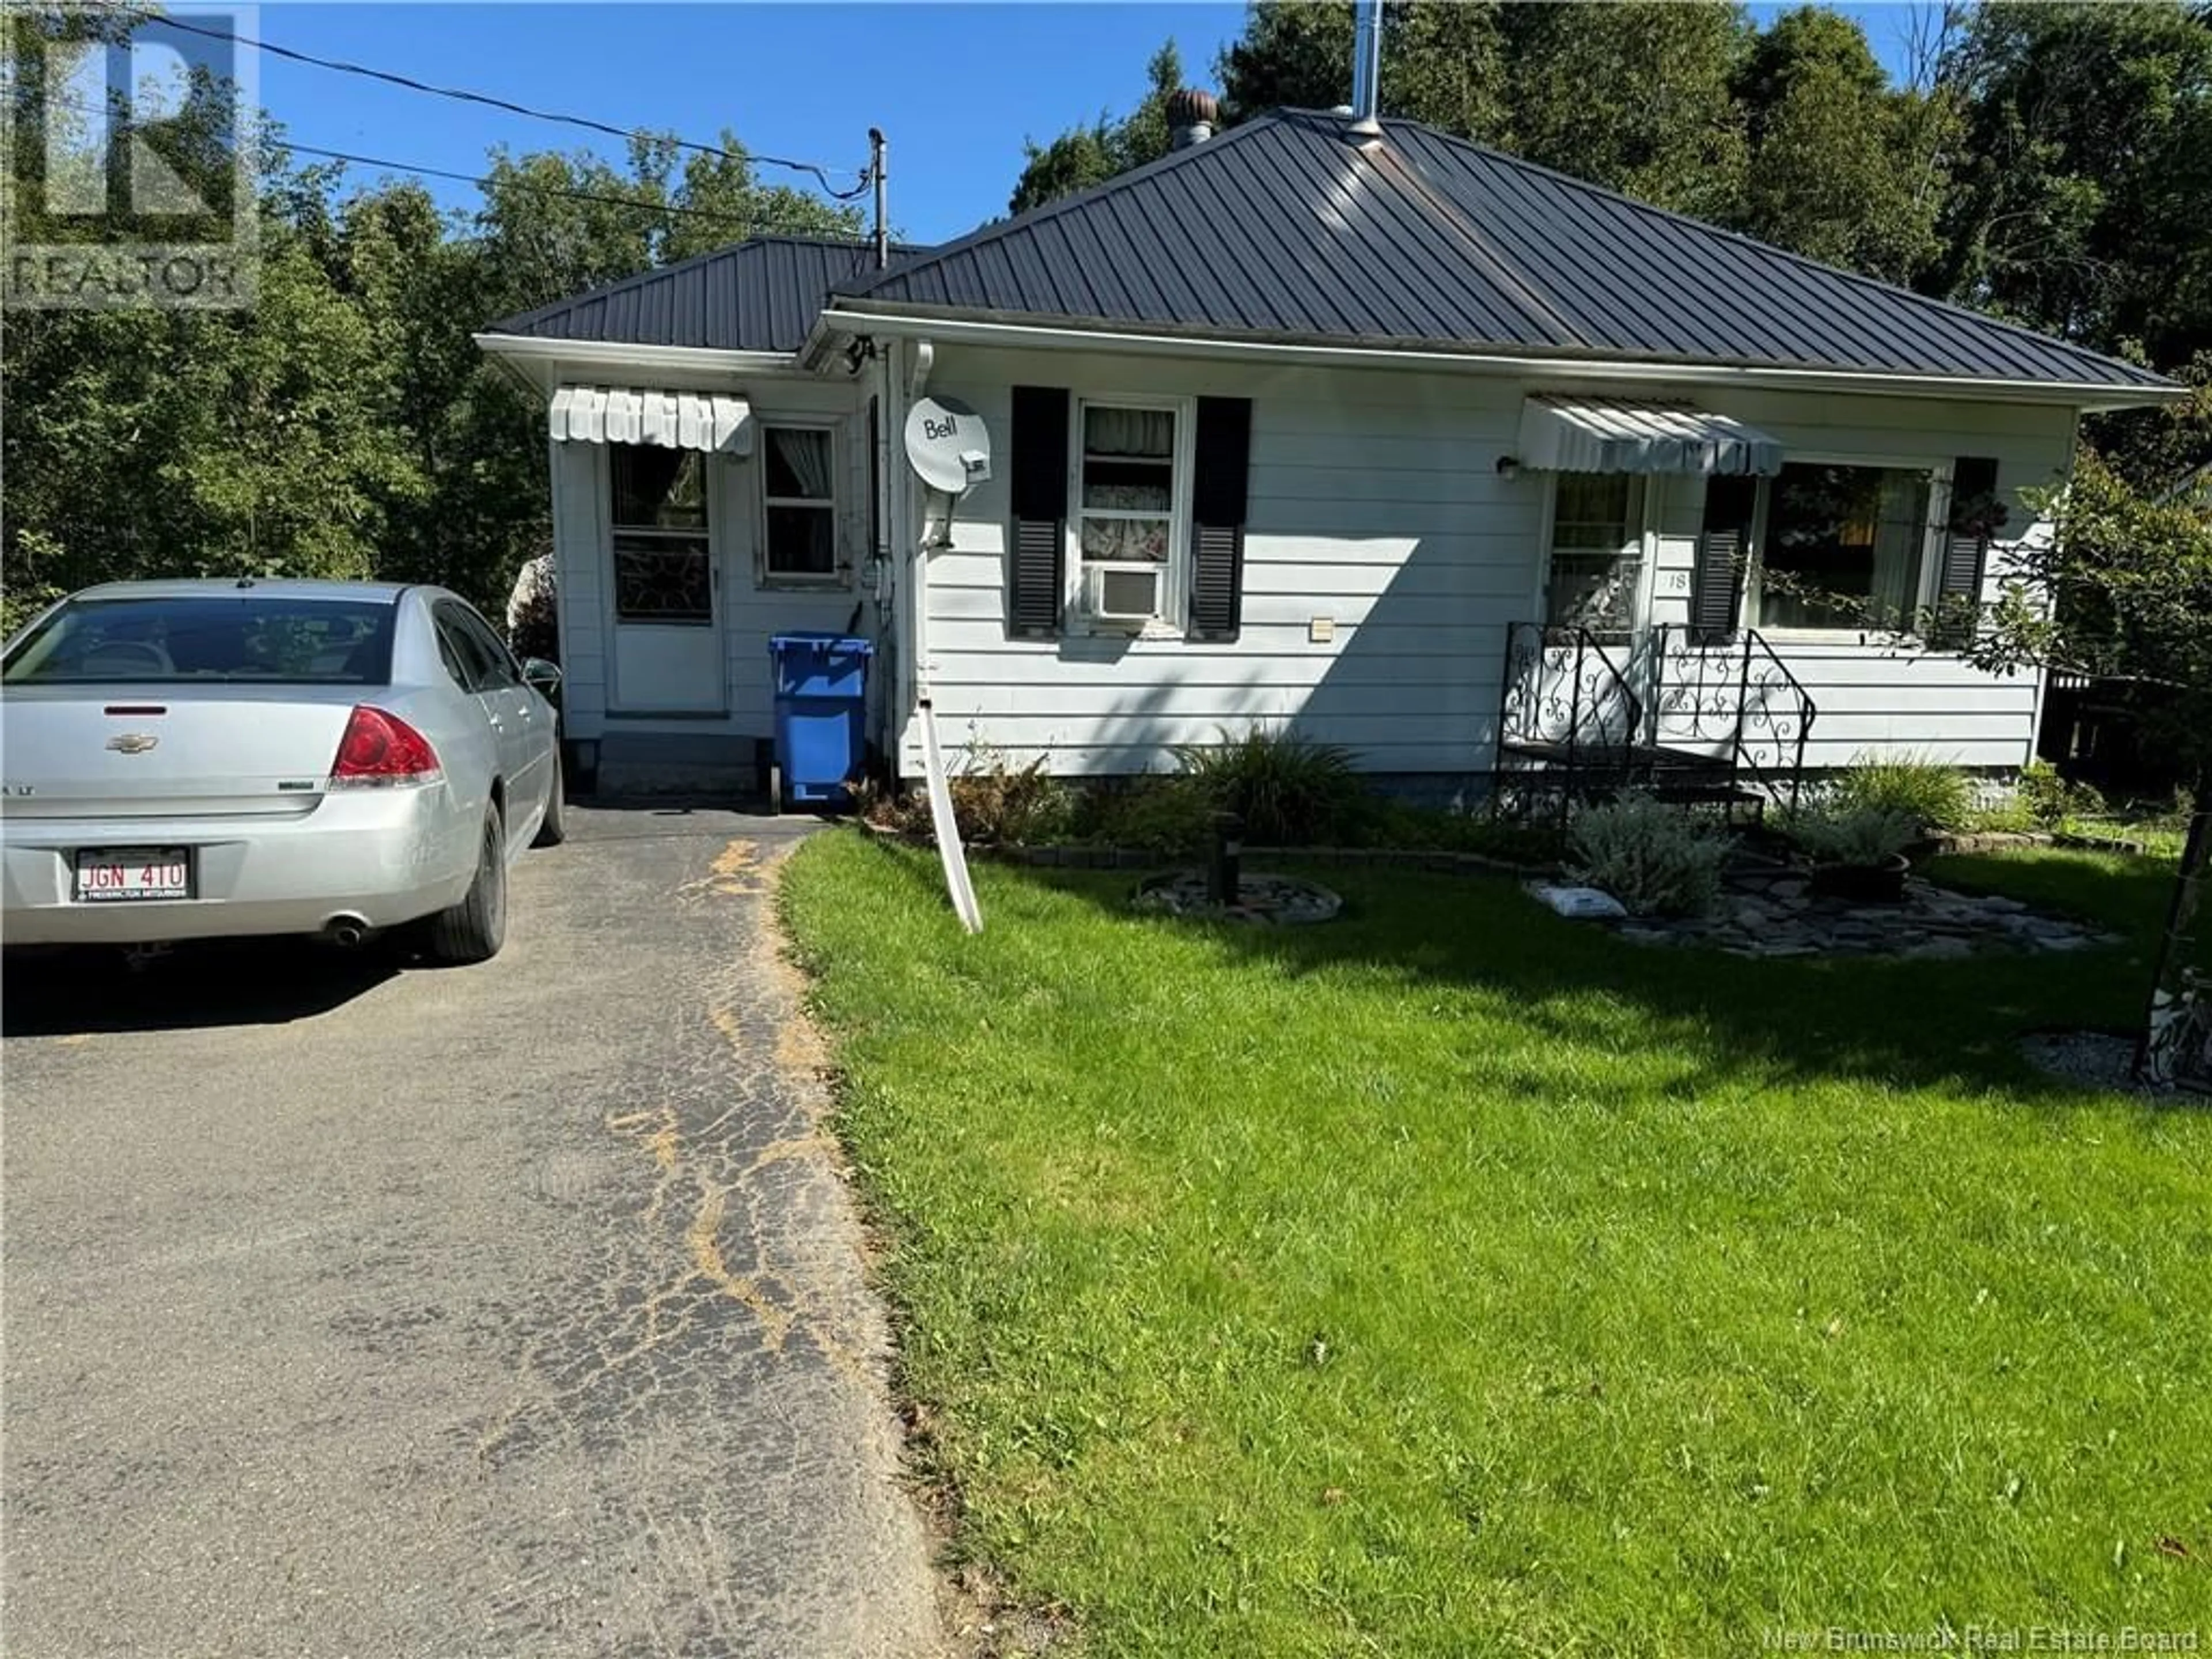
[1454,1280]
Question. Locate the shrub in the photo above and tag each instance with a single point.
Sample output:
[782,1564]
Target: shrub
[533,620]
[1865,836]
[993,802]
[2051,799]
[1933,795]
[1290,790]
[1166,815]
[1021,806]
[2011,816]
[1655,859]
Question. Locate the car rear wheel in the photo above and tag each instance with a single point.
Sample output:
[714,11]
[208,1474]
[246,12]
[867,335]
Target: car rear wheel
[553,828]
[474,929]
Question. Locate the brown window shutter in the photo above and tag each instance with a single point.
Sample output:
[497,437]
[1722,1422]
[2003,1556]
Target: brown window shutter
[1219,488]
[1036,541]
[1723,544]
[1975,514]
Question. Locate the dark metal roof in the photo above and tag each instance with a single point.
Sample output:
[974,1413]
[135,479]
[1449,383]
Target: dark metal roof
[757,296]
[1292,227]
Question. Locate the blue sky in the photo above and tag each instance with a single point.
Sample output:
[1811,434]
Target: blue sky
[955,88]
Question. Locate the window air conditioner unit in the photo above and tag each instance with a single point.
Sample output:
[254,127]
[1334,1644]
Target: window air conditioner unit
[1124,593]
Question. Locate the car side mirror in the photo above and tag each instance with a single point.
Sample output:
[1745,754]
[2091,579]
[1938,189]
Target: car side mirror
[543,674]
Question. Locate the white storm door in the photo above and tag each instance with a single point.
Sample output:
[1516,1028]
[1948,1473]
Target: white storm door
[666,605]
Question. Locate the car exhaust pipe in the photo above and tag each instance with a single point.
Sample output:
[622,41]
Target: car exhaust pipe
[347,933]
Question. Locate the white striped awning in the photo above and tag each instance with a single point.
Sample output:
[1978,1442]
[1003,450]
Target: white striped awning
[674,420]
[1619,434]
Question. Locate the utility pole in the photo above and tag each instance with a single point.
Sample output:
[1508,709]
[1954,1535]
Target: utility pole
[876,149]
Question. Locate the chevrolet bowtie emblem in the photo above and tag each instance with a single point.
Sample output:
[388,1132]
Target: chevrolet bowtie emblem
[132,743]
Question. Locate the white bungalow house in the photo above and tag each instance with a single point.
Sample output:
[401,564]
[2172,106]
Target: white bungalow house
[1357,428]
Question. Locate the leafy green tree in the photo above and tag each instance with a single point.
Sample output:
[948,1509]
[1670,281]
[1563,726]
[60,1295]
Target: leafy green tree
[554,224]
[1079,160]
[1084,156]
[2121,591]
[1443,62]
[1635,95]
[2155,450]
[1294,54]
[2085,203]
[716,200]
[146,441]
[1838,165]
[346,425]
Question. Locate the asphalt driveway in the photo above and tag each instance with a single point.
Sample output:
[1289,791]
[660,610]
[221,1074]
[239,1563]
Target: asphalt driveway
[505,1310]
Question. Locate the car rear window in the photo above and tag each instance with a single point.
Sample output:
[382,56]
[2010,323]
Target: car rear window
[253,638]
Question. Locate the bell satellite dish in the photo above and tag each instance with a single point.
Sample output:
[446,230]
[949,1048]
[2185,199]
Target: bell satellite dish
[947,445]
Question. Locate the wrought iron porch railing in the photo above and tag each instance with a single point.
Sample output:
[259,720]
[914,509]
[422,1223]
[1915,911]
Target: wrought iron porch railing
[1733,695]
[1775,721]
[1565,699]
[1694,718]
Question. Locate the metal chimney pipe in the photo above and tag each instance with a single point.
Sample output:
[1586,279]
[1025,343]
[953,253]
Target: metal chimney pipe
[1367,68]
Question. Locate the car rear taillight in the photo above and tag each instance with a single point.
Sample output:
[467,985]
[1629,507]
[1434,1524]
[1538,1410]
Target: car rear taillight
[381,748]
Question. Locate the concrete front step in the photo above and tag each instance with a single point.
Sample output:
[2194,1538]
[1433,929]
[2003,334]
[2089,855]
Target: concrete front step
[655,763]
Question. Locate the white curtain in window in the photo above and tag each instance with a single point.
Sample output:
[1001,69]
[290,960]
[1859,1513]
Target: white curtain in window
[1901,530]
[807,454]
[1126,539]
[1148,432]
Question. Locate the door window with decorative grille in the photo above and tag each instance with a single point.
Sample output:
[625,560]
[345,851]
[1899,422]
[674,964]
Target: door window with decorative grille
[1597,552]
[663,571]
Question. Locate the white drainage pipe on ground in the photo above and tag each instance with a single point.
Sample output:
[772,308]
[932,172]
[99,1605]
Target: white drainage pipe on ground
[949,850]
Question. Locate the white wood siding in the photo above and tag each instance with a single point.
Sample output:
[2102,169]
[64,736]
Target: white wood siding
[1875,695]
[582,568]
[749,612]
[1376,506]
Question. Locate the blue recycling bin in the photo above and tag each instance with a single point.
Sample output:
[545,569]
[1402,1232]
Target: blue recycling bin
[821,714]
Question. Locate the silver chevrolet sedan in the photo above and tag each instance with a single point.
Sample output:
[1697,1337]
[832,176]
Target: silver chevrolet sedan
[196,759]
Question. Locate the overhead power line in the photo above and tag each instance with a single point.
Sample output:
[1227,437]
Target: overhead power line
[756,221]
[463,95]
[535,190]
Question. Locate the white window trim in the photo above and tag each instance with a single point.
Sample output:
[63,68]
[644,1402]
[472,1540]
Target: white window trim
[708,535]
[1173,623]
[840,572]
[1931,544]
[1644,520]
